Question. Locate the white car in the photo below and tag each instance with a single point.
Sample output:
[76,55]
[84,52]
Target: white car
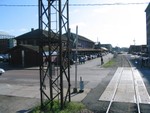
[2,71]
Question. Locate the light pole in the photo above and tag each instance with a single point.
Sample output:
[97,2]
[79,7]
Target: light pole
[75,89]
[134,45]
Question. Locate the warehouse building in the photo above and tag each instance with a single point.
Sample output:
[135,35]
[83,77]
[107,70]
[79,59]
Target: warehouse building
[148,27]
[6,42]
[26,52]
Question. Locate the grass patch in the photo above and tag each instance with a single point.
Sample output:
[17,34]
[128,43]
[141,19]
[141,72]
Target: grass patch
[71,107]
[109,63]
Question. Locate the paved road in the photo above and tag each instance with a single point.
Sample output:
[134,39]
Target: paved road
[91,72]
[19,88]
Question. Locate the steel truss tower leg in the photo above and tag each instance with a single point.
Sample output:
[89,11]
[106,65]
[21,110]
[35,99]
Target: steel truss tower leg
[54,69]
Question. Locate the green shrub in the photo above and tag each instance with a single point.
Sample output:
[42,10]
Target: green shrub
[71,107]
[109,63]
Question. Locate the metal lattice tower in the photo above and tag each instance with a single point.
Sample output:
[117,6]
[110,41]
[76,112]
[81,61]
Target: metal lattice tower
[54,69]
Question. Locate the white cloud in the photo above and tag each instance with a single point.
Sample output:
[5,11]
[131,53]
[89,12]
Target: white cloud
[81,26]
[102,10]
[74,11]
[23,30]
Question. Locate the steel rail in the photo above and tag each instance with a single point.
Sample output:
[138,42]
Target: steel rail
[111,101]
[135,88]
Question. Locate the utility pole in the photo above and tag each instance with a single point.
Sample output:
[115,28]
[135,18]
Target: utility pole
[134,45]
[76,63]
[51,39]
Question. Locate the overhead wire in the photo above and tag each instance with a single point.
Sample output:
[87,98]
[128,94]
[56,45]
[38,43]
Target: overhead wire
[103,4]
[108,4]
[13,5]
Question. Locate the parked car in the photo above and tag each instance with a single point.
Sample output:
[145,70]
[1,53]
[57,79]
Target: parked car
[4,57]
[1,58]
[2,71]
[81,59]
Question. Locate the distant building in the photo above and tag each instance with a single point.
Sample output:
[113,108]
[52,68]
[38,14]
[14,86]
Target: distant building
[6,42]
[83,42]
[27,46]
[26,52]
[148,26]
[108,46]
[34,37]
[135,49]
[116,49]
[97,45]
[24,56]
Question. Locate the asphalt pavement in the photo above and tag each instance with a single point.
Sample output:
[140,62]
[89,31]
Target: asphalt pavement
[104,90]
[19,89]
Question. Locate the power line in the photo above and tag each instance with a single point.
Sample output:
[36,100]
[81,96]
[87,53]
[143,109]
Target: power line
[109,4]
[104,4]
[8,5]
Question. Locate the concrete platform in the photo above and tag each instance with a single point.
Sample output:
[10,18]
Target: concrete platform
[126,86]
[34,92]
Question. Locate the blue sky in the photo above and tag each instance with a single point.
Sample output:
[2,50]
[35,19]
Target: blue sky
[118,25]
[17,20]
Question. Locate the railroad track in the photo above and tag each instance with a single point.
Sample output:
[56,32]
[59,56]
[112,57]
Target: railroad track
[125,62]
[126,67]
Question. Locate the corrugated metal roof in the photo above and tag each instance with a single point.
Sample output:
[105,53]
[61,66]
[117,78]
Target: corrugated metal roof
[73,36]
[38,34]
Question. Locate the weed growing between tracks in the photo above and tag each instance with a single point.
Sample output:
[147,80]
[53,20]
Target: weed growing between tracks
[109,63]
[72,107]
